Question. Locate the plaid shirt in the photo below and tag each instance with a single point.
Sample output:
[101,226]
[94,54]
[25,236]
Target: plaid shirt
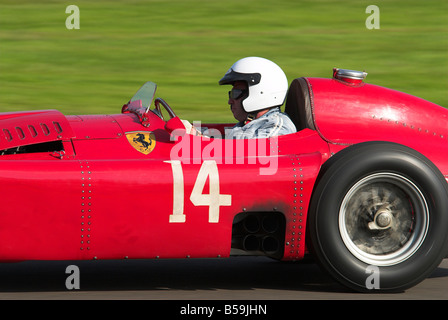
[272,123]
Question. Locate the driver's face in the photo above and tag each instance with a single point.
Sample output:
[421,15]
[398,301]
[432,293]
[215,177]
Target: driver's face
[236,104]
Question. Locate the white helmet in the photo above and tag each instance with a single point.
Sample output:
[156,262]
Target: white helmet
[266,81]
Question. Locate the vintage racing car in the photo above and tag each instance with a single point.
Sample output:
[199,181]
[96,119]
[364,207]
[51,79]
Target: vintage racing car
[361,185]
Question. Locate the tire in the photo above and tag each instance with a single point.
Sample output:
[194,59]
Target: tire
[378,217]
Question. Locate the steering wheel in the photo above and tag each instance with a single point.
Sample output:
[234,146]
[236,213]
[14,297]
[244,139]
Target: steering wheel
[170,111]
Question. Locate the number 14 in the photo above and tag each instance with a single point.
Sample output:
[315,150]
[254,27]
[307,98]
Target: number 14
[213,199]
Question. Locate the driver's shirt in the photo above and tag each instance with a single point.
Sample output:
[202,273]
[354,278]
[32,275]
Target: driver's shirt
[272,123]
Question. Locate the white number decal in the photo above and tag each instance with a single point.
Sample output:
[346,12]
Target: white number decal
[178,192]
[213,199]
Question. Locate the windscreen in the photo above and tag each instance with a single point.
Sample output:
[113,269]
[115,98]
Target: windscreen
[145,94]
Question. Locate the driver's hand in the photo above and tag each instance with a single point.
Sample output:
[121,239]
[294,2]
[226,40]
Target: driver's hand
[195,132]
[190,129]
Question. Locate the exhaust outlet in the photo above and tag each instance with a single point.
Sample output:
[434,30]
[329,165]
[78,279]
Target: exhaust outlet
[251,243]
[252,224]
[270,244]
[258,233]
[270,223]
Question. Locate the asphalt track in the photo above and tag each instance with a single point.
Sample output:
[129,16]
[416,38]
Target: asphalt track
[236,278]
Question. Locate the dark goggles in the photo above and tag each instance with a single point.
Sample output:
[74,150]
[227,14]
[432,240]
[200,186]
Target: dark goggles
[237,93]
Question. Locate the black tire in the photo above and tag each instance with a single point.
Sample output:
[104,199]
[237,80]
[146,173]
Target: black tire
[379,207]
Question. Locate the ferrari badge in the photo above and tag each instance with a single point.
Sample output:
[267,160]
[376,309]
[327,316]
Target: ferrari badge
[142,141]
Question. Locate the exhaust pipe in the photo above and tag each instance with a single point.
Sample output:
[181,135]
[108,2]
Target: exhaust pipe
[259,233]
[252,224]
[251,243]
[270,245]
[270,223]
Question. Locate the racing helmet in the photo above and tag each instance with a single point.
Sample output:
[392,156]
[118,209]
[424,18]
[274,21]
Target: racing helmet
[266,81]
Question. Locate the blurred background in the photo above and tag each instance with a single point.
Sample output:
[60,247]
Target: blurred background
[187,46]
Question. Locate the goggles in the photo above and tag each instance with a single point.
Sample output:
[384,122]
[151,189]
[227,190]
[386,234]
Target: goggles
[237,93]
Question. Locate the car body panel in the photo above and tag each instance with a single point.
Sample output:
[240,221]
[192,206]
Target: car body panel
[124,186]
[111,201]
[32,127]
[346,114]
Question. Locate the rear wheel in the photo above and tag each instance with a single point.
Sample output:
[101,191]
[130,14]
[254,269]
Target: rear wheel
[379,208]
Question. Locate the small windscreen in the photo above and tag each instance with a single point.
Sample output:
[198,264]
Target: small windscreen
[145,94]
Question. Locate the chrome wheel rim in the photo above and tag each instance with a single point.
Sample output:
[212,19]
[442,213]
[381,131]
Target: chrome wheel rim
[383,219]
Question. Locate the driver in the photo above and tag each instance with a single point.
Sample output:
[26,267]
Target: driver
[259,89]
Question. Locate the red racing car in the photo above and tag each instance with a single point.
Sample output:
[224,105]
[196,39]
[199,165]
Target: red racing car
[361,185]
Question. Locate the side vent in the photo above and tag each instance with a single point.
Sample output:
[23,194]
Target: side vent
[7,134]
[33,131]
[45,129]
[20,133]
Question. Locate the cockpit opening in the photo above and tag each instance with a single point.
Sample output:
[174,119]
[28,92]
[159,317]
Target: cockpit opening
[52,146]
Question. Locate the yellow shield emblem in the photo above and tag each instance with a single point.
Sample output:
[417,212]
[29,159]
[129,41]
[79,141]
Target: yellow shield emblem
[142,141]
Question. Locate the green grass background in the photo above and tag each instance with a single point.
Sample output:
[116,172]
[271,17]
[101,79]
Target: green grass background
[187,46]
